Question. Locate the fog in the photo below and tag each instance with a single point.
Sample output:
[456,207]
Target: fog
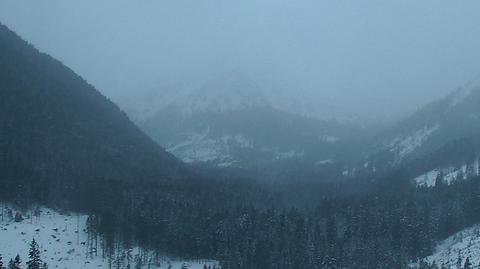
[375,59]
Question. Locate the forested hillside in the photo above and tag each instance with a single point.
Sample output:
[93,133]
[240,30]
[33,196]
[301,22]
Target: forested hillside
[56,124]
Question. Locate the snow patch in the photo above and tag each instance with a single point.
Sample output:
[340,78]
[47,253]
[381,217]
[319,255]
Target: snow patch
[428,179]
[405,145]
[449,174]
[290,154]
[324,162]
[201,147]
[329,139]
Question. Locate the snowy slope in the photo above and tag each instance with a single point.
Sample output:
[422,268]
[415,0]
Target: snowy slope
[229,122]
[436,138]
[460,246]
[62,239]
[200,147]
[232,120]
[404,145]
[449,174]
[452,117]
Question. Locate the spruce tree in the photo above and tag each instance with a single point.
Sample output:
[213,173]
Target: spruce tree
[1,262]
[18,262]
[15,264]
[34,256]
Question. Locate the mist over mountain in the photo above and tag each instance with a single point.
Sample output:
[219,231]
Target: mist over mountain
[437,143]
[239,135]
[230,122]
[354,60]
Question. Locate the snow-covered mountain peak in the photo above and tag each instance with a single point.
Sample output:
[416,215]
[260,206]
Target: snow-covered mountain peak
[223,95]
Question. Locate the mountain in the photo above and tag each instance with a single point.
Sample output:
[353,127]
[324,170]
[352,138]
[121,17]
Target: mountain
[65,146]
[228,122]
[443,138]
[55,125]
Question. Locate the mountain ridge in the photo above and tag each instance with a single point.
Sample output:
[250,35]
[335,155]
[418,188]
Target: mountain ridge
[252,130]
[47,108]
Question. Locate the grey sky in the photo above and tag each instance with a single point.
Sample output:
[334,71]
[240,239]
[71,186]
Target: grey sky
[366,57]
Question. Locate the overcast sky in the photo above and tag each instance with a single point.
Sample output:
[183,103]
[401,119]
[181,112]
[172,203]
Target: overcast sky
[366,57]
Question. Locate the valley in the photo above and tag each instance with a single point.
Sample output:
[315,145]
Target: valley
[203,135]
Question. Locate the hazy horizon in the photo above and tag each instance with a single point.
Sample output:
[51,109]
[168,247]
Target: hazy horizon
[376,59]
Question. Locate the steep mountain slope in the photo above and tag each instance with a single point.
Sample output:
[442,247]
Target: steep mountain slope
[440,139]
[456,116]
[65,146]
[228,122]
[54,124]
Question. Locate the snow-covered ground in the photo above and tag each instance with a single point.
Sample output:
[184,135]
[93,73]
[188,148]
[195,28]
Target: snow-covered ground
[200,147]
[62,239]
[458,247]
[450,174]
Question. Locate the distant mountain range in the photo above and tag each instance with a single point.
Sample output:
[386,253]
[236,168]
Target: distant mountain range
[230,123]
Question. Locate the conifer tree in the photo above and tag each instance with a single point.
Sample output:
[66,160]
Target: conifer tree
[15,264]
[34,261]
[18,262]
